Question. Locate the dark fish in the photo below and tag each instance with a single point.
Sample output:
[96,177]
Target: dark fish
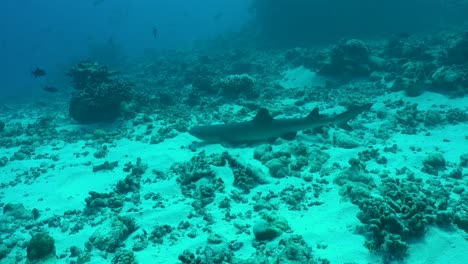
[97,2]
[38,72]
[218,16]
[155,32]
[50,89]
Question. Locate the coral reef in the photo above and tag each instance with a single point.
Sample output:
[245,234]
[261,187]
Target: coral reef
[401,208]
[404,46]
[233,86]
[434,163]
[105,166]
[207,255]
[391,221]
[349,57]
[41,246]
[124,257]
[464,160]
[460,219]
[97,95]
[409,119]
[451,79]
[295,250]
[263,230]
[422,64]
[159,232]
[114,200]
[411,87]
[110,238]
[457,53]
[291,161]
[245,178]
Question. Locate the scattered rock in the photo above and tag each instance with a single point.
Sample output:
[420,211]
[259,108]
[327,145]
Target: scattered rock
[110,238]
[3,161]
[41,246]
[343,140]
[105,166]
[434,163]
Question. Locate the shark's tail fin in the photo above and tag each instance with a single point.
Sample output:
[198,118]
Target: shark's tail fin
[351,113]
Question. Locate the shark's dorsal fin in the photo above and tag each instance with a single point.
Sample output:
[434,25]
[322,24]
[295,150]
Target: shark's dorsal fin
[263,116]
[314,114]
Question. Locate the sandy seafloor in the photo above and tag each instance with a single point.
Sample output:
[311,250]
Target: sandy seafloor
[66,185]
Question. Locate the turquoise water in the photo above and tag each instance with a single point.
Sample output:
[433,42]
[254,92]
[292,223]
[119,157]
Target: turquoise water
[233,131]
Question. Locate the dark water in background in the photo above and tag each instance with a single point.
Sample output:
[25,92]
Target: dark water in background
[301,22]
[54,34]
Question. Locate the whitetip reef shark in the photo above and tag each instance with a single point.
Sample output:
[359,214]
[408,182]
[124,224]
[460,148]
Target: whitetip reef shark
[263,126]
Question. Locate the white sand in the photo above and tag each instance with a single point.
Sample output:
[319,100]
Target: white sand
[331,224]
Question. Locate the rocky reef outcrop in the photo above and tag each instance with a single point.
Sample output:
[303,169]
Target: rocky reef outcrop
[98,93]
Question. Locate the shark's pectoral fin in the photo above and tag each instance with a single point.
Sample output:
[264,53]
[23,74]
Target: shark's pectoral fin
[360,108]
[345,126]
[352,112]
[289,135]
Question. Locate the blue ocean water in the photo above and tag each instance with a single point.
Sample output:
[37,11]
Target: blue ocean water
[234,131]
[54,34]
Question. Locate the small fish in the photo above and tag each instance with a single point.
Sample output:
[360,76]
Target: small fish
[218,16]
[155,32]
[50,89]
[97,2]
[38,72]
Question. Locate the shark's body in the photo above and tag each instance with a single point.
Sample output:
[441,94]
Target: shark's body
[263,126]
